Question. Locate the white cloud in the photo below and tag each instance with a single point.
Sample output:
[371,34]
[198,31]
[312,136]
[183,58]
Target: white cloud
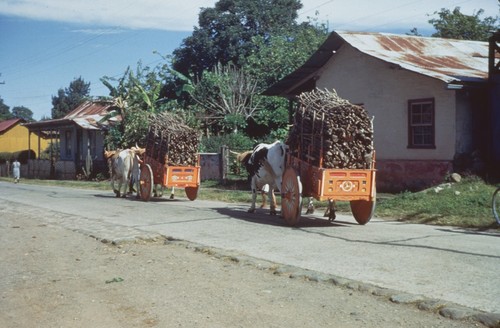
[144,14]
[173,15]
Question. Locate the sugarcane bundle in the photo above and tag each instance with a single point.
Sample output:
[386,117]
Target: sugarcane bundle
[329,127]
[171,141]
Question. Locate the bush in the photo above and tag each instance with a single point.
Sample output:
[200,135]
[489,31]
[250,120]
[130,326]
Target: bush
[235,141]
[22,156]
[4,157]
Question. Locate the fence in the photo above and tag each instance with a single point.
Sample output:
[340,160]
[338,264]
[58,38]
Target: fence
[214,166]
[43,169]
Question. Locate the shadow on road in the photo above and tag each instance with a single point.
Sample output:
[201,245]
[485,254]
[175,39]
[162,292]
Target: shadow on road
[489,233]
[262,216]
[135,199]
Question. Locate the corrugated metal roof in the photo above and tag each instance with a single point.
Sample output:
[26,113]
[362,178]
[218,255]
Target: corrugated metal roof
[444,59]
[7,124]
[90,108]
[88,116]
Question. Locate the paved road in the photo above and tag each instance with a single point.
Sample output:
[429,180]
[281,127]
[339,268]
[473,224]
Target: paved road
[445,263]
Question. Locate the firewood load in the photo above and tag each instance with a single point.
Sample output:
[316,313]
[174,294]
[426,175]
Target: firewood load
[326,124]
[169,137]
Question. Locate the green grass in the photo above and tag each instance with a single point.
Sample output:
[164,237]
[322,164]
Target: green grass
[466,204]
[96,185]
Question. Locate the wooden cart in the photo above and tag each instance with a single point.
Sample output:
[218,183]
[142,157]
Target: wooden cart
[302,179]
[155,171]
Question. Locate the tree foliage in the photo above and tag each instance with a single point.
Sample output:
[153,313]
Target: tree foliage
[274,58]
[17,112]
[69,98]
[261,42]
[136,95]
[5,113]
[225,32]
[227,94]
[278,55]
[456,25]
[23,113]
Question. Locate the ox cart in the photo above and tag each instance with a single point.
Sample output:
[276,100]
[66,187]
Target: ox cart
[330,157]
[302,179]
[162,165]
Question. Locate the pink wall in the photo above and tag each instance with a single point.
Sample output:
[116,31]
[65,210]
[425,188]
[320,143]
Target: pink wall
[413,175]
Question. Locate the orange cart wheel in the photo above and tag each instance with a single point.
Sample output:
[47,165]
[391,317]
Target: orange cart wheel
[291,197]
[146,183]
[191,192]
[362,210]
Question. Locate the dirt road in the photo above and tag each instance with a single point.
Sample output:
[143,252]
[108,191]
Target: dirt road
[54,277]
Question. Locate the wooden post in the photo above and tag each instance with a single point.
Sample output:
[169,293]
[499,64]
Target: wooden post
[224,163]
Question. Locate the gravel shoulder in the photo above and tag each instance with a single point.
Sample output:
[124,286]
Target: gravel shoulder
[55,277]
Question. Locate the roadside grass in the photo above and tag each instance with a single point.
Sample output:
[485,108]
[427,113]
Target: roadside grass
[97,185]
[466,204]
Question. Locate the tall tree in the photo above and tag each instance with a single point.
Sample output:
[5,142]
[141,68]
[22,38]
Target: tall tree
[455,25]
[278,55]
[225,32]
[69,98]
[5,113]
[262,40]
[23,112]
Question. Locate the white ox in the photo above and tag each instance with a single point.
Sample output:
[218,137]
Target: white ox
[124,168]
[265,165]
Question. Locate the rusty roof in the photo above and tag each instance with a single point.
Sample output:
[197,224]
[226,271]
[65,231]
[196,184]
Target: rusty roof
[451,61]
[87,115]
[7,124]
[444,59]
[90,108]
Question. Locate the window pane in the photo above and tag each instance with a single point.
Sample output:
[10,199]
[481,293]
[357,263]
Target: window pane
[416,117]
[427,113]
[422,136]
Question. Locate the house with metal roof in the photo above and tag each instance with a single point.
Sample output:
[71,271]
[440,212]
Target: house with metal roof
[428,96]
[76,137]
[14,137]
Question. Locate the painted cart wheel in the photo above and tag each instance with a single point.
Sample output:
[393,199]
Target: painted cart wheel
[291,197]
[146,182]
[191,192]
[362,210]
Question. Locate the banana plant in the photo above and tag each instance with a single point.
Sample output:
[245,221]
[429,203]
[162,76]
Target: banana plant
[120,95]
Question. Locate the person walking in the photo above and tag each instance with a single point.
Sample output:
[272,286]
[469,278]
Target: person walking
[16,170]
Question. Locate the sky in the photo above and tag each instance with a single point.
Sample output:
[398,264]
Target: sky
[46,44]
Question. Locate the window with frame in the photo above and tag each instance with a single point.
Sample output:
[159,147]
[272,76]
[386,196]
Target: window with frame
[421,127]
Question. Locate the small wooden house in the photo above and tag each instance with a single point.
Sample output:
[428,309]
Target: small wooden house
[428,97]
[79,137]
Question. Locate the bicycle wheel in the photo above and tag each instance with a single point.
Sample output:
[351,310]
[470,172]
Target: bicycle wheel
[495,205]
